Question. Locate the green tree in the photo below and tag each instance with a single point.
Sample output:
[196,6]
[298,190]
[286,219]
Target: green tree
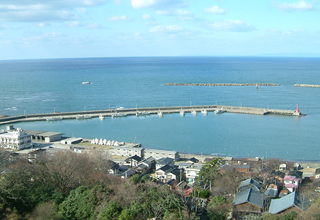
[111,211]
[209,172]
[82,202]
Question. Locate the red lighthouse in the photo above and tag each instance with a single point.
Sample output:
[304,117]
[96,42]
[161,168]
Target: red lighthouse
[297,110]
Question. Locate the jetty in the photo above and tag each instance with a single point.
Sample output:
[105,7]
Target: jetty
[306,85]
[150,110]
[221,84]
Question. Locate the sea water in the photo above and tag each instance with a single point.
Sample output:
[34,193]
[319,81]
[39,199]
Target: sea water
[45,86]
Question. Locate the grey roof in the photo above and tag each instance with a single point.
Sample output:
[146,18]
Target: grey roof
[165,160]
[175,171]
[252,183]
[288,201]
[271,192]
[135,157]
[251,196]
[165,168]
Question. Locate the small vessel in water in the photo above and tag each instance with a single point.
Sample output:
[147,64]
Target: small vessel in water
[219,111]
[160,113]
[118,115]
[194,112]
[182,112]
[101,117]
[144,113]
[83,117]
[86,82]
[204,111]
[54,118]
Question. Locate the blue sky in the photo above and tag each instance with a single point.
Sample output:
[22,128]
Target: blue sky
[31,29]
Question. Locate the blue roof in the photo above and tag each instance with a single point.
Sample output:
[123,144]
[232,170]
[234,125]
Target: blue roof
[250,183]
[288,201]
[251,196]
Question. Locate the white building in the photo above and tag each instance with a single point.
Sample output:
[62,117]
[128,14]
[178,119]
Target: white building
[16,139]
[157,154]
[192,172]
[126,151]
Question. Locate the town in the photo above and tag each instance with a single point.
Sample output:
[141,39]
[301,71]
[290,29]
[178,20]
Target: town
[227,187]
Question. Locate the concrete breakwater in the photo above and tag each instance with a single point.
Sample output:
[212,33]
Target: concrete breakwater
[150,110]
[307,85]
[221,84]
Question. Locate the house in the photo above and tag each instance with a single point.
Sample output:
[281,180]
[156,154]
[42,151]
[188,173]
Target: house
[164,161]
[192,172]
[291,183]
[16,139]
[161,172]
[142,168]
[224,168]
[184,165]
[113,167]
[297,174]
[128,173]
[309,172]
[132,161]
[192,160]
[272,191]
[250,183]
[249,201]
[291,202]
[244,169]
[149,162]
[168,172]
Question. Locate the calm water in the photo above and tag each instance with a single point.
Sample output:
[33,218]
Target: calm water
[43,86]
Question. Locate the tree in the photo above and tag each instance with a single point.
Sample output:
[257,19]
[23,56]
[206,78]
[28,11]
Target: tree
[209,172]
[82,202]
[110,212]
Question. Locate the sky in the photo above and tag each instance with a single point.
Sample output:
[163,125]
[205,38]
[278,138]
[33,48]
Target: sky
[40,29]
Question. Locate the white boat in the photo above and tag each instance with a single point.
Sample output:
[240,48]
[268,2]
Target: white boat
[204,111]
[86,82]
[144,113]
[219,111]
[182,112]
[117,115]
[101,117]
[54,118]
[83,117]
[194,112]
[160,113]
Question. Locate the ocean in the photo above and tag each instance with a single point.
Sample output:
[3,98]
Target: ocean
[48,85]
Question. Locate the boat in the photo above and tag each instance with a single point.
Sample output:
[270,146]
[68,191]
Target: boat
[86,82]
[83,117]
[194,112]
[101,117]
[54,118]
[204,111]
[144,113]
[118,114]
[219,111]
[160,113]
[182,112]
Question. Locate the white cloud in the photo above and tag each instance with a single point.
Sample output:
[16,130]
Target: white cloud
[119,18]
[75,24]
[43,11]
[167,29]
[294,6]
[147,17]
[214,10]
[181,14]
[233,26]
[137,4]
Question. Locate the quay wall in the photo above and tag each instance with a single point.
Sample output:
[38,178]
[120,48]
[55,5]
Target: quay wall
[151,110]
[221,84]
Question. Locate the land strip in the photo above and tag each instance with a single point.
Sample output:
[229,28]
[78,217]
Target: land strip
[307,85]
[221,84]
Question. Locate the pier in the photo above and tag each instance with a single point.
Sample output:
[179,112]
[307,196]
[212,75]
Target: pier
[221,84]
[150,110]
[306,85]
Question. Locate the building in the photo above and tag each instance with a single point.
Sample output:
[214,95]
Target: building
[16,139]
[127,151]
[250,183]
[289,203]
[192,172]
[44,136]
[249,201]
[132,161]
[164,161]
[157,154]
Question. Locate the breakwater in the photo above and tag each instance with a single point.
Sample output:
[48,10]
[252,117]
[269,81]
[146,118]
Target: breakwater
[307,85]
[150,110]
[221,84]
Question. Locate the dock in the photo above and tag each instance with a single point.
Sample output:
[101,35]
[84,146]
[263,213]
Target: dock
[150,110]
